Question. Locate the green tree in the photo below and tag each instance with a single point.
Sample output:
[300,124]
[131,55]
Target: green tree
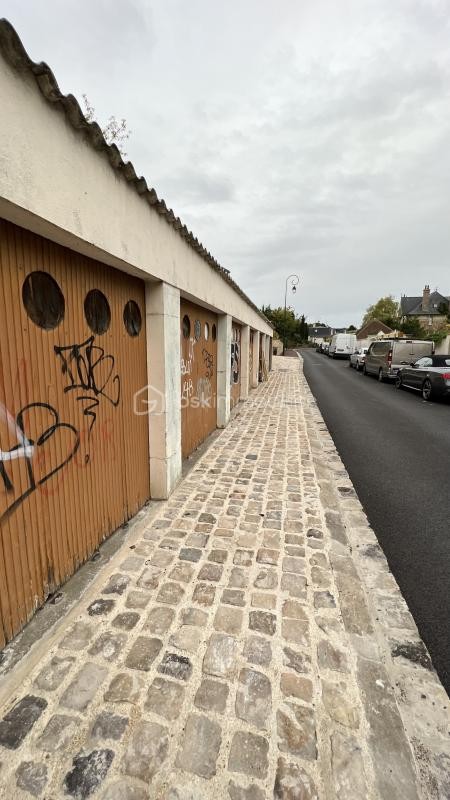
[292,330]
[385,310]
[351,328]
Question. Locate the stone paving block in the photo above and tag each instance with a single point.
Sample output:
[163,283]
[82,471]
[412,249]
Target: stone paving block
[32,777]
[87,773]
[266,556]
[243,558]
[258,651]
[162,558]
[204,594]
[19,721]
[297,731]
[296,631]
[143,653]
[330,657]
[300,661]
[100,607]
[194,616]
[108,645]
[262,600]
[251,792]
[186,638]
[292,782]
[182,572]
[117,583]
[137,599]
[218,556]
[197,540]
[132,564]
[266,579]
[228,619]
[108,726]
[190,554]
[212,696]
[146,751]
[335,697]
[165,698]
[233,597]
[262,621]
[58,733]
[150,578]
[296,687]
[53,674]
[126,621]
[122,789]
[348,767]
[295,585]
[324,600]
[78,636]
[253,698]
[82,690]
[170,593]
[294,565]
[125,687]
[176,666]
[248,754]
[220,657]
[200,748]
[159,619]
[210,572]
[293,610]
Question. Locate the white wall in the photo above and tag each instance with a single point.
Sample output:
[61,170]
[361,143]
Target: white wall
[54,183]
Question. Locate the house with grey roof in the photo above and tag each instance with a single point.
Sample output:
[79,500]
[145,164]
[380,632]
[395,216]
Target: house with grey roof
[431,309]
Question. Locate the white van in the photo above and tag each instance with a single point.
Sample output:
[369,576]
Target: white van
[342,345]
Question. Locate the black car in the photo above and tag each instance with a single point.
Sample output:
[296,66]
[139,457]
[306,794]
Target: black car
[429,375]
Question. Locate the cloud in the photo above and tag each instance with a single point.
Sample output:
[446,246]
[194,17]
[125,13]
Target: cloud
[310,137]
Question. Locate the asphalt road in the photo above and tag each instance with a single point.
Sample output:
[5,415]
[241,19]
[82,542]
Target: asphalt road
[396,448]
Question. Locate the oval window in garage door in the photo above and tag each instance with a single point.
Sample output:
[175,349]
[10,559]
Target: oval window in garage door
[132,318]
[97,311]
[43,300]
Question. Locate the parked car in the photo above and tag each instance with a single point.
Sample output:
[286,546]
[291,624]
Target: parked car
[342,345]
[325,348]
[384,358]
[429,375]
[357,359]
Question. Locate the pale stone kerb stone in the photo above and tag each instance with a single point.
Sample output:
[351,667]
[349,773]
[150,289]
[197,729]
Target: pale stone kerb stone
[224,330]
[163,391]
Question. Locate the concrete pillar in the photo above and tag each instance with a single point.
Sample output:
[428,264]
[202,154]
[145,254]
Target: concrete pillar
[245,352]
[254,376]
[270,352]
[162,303]
[267,350]
[223,369]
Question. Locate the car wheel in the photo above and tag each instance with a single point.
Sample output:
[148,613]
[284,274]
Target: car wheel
[380,376]
[398,381]
[365,370]
[427,390]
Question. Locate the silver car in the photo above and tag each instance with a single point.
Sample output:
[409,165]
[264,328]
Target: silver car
[357,359]
[429,375]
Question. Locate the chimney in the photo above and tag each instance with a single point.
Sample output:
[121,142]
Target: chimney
[426,299]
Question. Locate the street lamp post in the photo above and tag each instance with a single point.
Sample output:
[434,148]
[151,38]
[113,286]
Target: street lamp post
[295,280]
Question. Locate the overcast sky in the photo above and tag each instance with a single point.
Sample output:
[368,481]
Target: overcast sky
[306,136]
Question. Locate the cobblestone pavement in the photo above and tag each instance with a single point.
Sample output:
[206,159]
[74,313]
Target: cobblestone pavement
[247,643]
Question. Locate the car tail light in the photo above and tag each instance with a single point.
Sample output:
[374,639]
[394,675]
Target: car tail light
[390,358]
[446,376]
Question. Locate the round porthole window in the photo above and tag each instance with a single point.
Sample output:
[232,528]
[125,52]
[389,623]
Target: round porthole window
[43,300]
[213,333]
[206,331]
[186,326]
[97,311]
[132,318]
[197,329]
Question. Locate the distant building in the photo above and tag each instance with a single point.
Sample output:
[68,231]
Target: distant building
[374,329]
[318,334]
[430,310]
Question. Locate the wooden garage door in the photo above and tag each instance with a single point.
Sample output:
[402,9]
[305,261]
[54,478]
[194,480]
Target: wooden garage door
[74,457]
[235,393]
[198,375]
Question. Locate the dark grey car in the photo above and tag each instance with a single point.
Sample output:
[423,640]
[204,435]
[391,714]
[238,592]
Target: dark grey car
[429,375]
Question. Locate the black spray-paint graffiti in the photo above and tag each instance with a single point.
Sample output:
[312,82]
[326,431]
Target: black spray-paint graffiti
[91,371]
[28,448]
[208,360]
[235,362]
